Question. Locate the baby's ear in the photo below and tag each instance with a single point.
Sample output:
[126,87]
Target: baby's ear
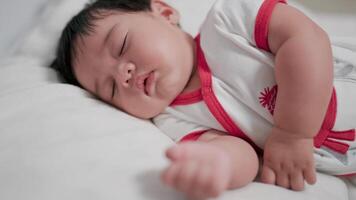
[164,10]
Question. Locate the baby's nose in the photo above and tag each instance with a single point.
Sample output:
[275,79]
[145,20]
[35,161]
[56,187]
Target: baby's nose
[126,72]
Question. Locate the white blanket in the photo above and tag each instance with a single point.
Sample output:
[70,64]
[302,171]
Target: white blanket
[59,142]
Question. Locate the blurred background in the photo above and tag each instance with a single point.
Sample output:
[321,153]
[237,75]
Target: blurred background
[18,16]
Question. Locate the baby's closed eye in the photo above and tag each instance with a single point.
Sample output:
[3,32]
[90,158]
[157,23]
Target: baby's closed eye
[123,45]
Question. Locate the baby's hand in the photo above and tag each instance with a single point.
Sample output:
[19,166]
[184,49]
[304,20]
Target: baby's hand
[200,170]
[288,161]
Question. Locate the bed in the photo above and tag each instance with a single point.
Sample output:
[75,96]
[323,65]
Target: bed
[59,142]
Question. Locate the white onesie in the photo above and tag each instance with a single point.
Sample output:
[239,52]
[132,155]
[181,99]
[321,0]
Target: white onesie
[238,87]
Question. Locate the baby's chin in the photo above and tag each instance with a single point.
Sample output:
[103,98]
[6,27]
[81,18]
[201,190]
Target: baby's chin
[148,114]
[159,102]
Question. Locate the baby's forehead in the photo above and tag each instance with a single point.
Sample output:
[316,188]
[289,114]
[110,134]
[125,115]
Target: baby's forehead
[91,44]
[104,20]
[96,32]
[99,28]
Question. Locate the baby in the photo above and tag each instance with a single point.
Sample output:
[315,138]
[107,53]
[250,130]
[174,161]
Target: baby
[217,94]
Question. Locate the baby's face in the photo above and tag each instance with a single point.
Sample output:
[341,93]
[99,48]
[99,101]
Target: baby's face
[138,62]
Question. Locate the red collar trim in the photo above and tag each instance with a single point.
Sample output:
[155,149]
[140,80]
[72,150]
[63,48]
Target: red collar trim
[188,98]
[213,103]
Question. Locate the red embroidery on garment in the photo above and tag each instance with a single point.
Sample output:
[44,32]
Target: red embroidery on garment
[326,137]
[268,98]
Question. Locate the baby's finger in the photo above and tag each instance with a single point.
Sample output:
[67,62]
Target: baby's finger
[268,176]
[219,185]
[169,176]
[186,176]
[297,180]
[283,179]
[200,183]
[310,175]
[174,153]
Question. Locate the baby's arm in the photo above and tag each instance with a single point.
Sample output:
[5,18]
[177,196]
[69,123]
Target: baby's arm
[304,74]
[213,164]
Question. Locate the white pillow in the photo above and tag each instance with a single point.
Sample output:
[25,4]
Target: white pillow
[16,21]
[41,42]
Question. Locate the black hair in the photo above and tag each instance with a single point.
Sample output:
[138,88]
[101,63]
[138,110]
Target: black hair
[83,24]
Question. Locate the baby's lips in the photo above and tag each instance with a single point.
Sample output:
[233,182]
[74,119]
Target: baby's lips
[140,81]
[149,82]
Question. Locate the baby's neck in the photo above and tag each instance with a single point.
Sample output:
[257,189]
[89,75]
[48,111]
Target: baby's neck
[194,80]
[193,83]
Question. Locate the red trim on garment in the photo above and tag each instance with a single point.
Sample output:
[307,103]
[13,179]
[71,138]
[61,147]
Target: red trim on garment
[213,103]
[347,175]
[262,23]
[188,98]
[329,138]
[193,136]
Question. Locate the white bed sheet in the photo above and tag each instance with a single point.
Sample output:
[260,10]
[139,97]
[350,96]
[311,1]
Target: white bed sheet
[58,142]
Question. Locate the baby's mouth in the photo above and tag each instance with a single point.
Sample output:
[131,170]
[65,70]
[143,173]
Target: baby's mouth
[143,82]
[145,86]
[149,83]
